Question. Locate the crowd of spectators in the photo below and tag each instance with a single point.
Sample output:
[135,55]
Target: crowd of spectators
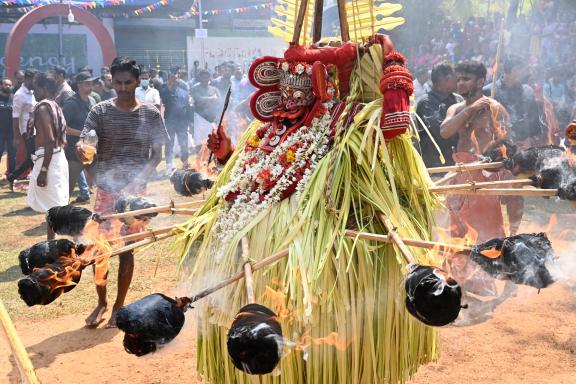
[544,38]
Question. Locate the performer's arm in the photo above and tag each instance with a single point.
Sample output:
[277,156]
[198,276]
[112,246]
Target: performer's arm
[45,130]
[456,119]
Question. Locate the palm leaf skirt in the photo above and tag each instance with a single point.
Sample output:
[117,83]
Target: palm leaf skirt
[340,300]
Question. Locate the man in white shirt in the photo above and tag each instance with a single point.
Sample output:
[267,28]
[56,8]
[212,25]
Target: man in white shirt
[22,105]
[146,93]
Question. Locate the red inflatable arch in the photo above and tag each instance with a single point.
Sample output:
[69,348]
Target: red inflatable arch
[23,25]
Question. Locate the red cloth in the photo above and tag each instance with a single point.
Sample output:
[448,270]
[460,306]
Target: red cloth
[396,86]
[482,214]
[343,58]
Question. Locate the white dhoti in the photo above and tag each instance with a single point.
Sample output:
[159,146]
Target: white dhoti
[202,129]
[55,193]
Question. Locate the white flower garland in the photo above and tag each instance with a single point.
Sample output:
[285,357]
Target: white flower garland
[314,144]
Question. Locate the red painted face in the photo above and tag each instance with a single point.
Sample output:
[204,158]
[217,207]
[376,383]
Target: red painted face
[292,98]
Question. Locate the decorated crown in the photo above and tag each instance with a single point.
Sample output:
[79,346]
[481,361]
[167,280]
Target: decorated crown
[295,75]
[301,67]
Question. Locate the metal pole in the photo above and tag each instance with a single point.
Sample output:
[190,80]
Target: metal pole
[202,59]
[60,43]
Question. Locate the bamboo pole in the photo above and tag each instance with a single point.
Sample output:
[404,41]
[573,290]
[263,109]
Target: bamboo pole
[393,237]
[441,247]
[397,240]
[481,184]
[24,362]
[184,212]
[317,27]
[344,29]
[256,266]
[450,176]
[248,272]
[143,235]
[497,60]
[170,208]
[503,192]
[299,21]
[138,244]
[461,168]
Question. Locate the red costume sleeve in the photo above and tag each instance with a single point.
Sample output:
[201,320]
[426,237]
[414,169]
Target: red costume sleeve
[396,86]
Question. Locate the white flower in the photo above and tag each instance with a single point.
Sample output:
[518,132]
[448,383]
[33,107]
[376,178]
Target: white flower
[309,69]
[299,69]
[285,66]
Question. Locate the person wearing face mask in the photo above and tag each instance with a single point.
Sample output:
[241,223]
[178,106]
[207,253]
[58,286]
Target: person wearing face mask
[6,131]
[146,92]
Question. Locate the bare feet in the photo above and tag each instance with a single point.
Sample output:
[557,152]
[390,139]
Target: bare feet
[95,318]
[112,321]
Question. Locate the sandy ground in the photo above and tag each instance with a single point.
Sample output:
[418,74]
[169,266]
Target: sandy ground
[529,339]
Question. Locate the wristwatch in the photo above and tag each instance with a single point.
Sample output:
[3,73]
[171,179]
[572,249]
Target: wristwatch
[43,169]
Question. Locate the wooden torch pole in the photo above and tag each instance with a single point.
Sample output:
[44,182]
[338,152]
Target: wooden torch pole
[24,362]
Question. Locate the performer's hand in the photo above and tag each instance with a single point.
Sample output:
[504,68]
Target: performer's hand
[81,154]
[219,143]
[479,105]
[383,40]
[42,180]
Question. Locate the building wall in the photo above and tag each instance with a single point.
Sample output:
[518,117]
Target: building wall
[241,50]
[158,43]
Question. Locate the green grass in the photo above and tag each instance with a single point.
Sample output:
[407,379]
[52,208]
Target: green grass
[156,269]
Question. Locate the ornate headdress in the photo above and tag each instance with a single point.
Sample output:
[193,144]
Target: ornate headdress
[301,70]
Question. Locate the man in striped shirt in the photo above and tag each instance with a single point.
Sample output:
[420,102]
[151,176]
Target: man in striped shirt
[130,137]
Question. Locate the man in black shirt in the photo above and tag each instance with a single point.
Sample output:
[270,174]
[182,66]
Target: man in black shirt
[526,115]
[432,110]
[6,131]
[176,105]
[76,110]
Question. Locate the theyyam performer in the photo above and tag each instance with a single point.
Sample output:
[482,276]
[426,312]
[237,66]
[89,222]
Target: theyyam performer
[330,149]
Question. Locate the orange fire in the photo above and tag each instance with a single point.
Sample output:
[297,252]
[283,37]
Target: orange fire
[61,278]
[551,122]
[332,339]
[504,152]
[278,300]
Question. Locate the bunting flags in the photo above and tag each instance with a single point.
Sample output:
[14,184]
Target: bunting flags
[26,6]
[193,11]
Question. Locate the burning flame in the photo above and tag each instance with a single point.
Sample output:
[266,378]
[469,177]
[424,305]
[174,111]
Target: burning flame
[504,152]
[332,339]
[551,121]
[278,300]
[60,279]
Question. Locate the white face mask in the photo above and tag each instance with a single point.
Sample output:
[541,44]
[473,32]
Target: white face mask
[144,83]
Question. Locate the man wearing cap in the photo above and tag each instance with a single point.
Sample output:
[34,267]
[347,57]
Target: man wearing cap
[76,109]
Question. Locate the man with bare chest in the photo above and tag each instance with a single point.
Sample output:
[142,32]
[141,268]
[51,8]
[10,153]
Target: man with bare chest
[49,178]
[478,121]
